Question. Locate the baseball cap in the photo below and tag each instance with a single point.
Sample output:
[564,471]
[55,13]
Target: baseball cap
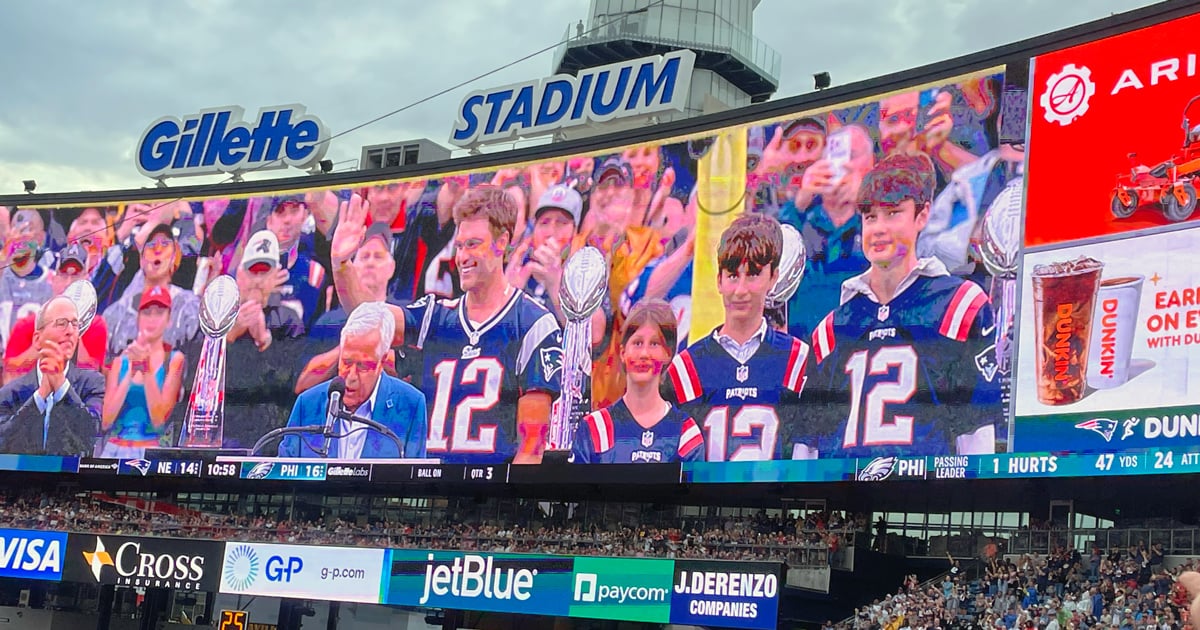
[155,295]
[262,248]
[73,253]
[809,124]
[280,201]
[564,198]
[162,228]
[381,230]
[615,166]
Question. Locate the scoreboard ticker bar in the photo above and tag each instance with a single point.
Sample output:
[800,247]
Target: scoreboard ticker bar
[1158,461]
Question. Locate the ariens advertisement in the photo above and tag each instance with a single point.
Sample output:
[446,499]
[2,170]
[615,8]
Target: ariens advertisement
[881,268]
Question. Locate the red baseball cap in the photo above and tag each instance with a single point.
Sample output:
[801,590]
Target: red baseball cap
[155,295]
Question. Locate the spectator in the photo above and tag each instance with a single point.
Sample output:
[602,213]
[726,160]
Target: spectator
[20,352]
[143,385]
[54,409]
[160,257]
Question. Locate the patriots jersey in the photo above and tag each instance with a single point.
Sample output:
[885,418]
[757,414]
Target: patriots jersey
[907,377]
[474,373]
[749,411]
[612,436]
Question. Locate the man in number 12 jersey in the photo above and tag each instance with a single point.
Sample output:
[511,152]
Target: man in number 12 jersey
[903,363]
[492,358]
[742,382]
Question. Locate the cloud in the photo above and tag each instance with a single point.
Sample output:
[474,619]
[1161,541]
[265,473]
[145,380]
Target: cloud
[90,78]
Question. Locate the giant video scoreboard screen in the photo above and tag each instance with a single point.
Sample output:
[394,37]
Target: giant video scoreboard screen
[930,283]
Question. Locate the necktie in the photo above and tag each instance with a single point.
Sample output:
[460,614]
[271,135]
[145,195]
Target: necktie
[46,420]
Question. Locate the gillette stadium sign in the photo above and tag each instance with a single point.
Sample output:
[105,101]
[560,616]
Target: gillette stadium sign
[218,140]
[621,90]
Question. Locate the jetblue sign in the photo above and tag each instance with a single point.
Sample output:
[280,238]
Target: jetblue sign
[630,88]
[218,140]
[32,555]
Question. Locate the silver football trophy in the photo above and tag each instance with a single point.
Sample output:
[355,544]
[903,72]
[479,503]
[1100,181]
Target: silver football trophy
[793,260]
[1000,249]
[83,294]
[581,292]
[204,424]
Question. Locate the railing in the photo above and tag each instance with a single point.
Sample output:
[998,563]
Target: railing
[651,27]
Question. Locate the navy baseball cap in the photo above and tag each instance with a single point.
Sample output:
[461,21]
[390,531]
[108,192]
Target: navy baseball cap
[615,166]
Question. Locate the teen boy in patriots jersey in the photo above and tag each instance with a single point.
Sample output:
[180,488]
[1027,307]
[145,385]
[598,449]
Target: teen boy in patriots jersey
[742,382]
[492,358]
[903,362]
[641,427]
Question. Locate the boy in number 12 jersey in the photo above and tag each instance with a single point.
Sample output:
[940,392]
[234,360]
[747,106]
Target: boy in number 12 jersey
[742,382]
[903,363]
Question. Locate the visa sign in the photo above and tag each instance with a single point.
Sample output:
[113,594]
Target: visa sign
[630,88]
[32,555]
[218,141]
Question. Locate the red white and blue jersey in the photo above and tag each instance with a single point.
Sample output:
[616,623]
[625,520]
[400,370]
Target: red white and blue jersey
[749,411]
[613,436]
[909,376]
[474,373]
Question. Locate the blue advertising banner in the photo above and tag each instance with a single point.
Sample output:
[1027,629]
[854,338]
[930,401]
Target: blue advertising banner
[495,582]
[32,555]
[725,594]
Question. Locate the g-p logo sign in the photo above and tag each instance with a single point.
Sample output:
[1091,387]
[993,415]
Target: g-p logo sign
[279,570]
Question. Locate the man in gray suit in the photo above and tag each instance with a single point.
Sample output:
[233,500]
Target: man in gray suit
[54,409]
[370,393]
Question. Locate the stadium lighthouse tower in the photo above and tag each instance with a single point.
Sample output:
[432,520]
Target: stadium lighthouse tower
[733,67]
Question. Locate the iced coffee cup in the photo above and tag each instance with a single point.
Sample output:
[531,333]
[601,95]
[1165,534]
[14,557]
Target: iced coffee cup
[1111,344]
[1064,298]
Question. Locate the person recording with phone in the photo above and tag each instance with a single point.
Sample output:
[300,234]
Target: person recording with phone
[368,393]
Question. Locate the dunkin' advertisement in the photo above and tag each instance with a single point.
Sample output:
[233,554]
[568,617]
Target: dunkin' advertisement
[1109,341]
[1115,135]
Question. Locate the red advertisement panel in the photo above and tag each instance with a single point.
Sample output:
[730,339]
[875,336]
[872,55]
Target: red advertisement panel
[1115,135]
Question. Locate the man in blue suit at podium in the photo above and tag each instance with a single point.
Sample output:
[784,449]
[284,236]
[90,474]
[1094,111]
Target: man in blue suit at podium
[369,394]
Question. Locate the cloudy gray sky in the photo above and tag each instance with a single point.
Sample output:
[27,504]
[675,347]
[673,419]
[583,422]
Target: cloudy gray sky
[84,79]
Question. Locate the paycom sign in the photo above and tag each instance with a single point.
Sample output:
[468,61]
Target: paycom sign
[626,589]
[493,582]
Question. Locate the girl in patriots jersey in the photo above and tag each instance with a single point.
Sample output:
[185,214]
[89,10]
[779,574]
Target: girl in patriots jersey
[641,427]
[906,363]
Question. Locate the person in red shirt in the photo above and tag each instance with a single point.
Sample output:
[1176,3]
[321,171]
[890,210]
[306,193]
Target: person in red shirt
[20,355]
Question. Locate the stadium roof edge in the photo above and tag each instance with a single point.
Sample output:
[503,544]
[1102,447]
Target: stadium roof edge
[1083,33]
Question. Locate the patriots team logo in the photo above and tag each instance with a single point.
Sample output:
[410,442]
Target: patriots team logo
[551,359]
[986,363]
[878,469]
[139,465]
[1103,426]
[647,439]
[261,470]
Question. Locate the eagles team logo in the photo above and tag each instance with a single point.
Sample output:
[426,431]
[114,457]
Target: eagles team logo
[647,439]
[1068,93]
[261,470]
[1104,427]
[877,469]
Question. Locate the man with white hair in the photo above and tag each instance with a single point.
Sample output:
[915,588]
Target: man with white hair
[55,408]
[370,393]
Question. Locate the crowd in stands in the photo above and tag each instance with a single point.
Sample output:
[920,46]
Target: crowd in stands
[814,540]
[1114,589]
